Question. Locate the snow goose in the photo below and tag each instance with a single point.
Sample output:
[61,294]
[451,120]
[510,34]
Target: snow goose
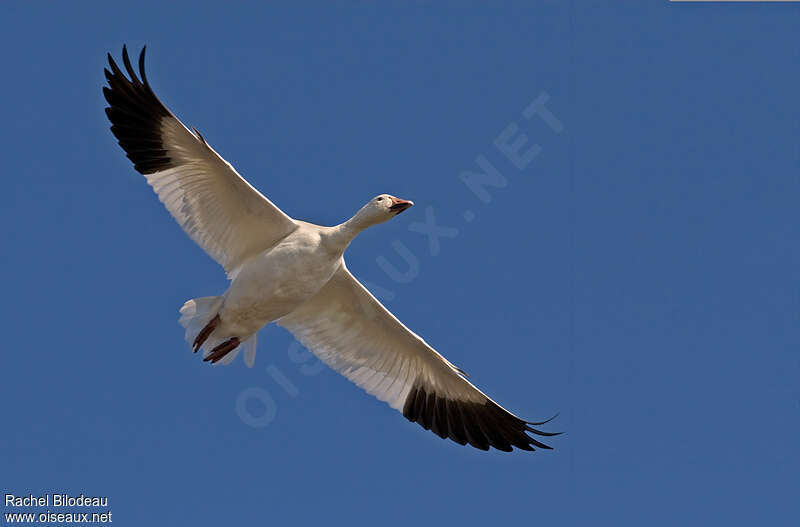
[292,272]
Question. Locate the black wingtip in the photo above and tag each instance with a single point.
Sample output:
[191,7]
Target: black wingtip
[543,434]
[141,66]
[136,115]
[539,432]
[113,65]
[538,423]
[125,57]
[126,60]
[482,425]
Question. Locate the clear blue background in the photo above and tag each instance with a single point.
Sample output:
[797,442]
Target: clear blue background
[640,276]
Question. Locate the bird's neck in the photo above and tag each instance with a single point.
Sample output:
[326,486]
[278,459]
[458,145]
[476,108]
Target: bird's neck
[341,235]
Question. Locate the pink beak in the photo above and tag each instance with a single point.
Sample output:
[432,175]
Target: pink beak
[399,205]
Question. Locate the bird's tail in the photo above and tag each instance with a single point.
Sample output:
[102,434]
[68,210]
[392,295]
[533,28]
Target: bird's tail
[196,314]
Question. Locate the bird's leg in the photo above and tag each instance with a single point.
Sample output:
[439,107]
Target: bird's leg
[222,350]
[203,335]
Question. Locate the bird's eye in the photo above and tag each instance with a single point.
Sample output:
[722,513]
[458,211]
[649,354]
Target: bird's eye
[379,199]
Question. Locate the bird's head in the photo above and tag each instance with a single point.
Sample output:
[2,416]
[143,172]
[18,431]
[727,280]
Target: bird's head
[382,208]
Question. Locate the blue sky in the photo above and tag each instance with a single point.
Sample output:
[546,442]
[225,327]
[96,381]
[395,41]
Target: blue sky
[639,275]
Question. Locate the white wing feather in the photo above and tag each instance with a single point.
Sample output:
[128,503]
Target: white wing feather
[348,329]
[351,331]
[213,204]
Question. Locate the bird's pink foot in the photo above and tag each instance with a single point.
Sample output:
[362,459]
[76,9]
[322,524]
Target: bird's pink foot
[222,350]
[203,335]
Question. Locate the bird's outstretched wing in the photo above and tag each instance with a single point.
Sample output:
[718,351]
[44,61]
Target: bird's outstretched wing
[346,327]
[218,209]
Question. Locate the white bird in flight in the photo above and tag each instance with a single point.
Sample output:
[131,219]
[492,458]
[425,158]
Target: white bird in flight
[293,273]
